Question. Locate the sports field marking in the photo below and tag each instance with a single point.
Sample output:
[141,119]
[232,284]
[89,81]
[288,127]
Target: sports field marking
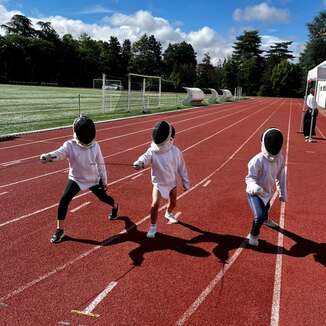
[88,311]
[79,207]
[116,127]
[108,241]
[11,163]
[275,315]
[136,176]
[143,130]
[321,133]
[130,175]
[207,183]
[3,193]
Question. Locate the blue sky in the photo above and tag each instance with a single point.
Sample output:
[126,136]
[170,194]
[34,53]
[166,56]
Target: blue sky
[210,26]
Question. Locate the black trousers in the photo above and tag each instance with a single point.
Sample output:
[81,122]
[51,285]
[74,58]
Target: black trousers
[72,190]
[307,122]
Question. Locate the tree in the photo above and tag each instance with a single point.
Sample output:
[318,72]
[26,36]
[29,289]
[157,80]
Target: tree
[47,32]
[206,74]
[315,50]
[248,61]
[126,57]
[179,64]
[146,56]
[20,25]
[111,58]
[280,51]
[284,78]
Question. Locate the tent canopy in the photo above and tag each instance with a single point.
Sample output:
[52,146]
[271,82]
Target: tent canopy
[318,72]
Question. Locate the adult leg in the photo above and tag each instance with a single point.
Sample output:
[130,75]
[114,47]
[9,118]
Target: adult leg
[306,123]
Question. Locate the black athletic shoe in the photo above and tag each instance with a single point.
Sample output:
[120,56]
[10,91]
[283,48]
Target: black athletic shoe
[57,236]
[114,213]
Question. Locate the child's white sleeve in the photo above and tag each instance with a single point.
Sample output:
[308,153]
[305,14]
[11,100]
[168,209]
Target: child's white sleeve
[61,153]
[101,166]
[145,159]
[281,183]
[182,170]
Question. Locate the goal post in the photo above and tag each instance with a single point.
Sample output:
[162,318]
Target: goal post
[111,92]
[144,91]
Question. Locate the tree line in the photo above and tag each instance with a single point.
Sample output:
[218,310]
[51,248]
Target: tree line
[40,55]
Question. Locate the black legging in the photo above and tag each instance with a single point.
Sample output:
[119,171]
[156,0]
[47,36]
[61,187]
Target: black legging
[72,190]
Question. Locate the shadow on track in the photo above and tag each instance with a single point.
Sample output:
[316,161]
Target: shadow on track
[146,245]
[304,247]
[226,242]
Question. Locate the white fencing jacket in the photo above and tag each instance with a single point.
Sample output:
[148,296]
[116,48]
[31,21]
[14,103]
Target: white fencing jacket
[86,164]
[167,163]
[266,171]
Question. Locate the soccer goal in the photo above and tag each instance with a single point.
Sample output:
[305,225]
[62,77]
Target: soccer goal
[111,92]
[144,92]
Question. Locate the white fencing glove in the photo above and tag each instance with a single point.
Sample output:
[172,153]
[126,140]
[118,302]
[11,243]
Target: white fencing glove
[138,165]
[46,158]
[254,189]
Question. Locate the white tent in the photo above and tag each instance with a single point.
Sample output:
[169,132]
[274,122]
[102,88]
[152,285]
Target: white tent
[318,75]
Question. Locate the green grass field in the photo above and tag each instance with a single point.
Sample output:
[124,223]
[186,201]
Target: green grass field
[26,108]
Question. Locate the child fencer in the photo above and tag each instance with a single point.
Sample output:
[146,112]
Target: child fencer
[265,170]
[86,170]
[167,163]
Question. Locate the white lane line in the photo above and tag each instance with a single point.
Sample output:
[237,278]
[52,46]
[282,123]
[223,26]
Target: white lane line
[108,241]
[89,309]
[11,163]
[136,176]
[207,183]
[275,315]
[3,193]
[130,175]
[79,207]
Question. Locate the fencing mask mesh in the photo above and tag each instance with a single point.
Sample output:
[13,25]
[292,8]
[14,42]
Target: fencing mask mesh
[85,130]
[162,132]
[273,140]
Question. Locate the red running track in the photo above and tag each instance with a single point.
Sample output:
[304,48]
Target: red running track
[197,272]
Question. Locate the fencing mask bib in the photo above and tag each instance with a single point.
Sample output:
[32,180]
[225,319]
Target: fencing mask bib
[84,130]
[272,140]
[162,132]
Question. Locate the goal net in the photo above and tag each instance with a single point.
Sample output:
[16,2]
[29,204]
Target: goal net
[144,92]
[111,92]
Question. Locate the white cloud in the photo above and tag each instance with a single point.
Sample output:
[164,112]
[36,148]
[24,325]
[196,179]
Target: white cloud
[261,12]
[134,26]
[96,9]
[6,15]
